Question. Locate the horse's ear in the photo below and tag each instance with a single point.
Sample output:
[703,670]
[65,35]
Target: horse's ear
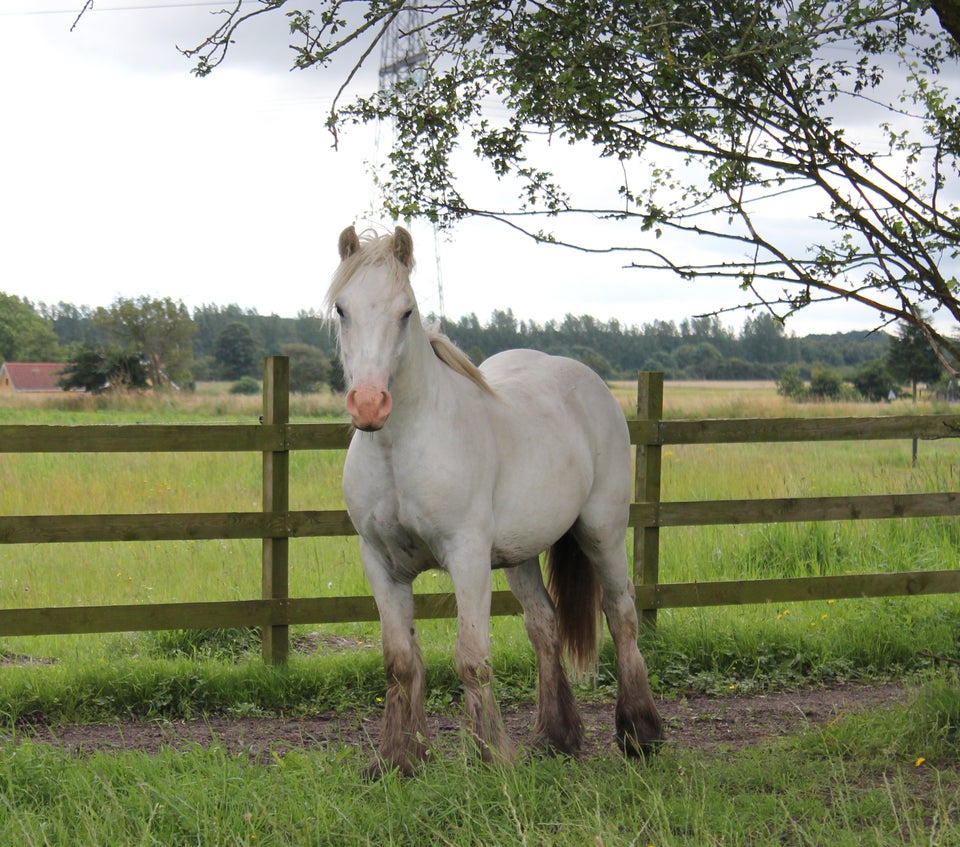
[349,243]
[403,247]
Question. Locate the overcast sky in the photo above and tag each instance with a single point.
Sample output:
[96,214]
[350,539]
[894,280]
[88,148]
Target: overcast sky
[123,175]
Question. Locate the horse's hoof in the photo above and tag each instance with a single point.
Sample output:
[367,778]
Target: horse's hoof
[502,754]
[375,771]
[641,737]
[378,769]
[543,748]
[634,749]
[562,746]
[404,765]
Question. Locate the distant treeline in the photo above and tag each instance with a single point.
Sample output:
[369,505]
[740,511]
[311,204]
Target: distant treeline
[697,348]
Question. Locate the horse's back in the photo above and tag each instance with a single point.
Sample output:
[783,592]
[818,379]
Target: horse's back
[540,387]
[563,446]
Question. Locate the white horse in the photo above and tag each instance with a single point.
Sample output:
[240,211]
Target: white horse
[469,469]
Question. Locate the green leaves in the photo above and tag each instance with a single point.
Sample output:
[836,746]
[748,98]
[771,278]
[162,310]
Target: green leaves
[757,99]
[25,336]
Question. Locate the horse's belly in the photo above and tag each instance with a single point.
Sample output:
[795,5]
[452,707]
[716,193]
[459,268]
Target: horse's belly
[536,504]
[516,548]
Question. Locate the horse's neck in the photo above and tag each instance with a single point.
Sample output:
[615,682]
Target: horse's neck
[418,383]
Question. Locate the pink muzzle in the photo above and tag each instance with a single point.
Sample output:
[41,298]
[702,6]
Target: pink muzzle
[368,407]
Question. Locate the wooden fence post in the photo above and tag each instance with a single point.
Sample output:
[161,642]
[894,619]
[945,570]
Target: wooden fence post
[276,498]
[646,540]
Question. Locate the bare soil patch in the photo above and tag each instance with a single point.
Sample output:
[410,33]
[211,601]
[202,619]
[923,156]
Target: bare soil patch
[696,722]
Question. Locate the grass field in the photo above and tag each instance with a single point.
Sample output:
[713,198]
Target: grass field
[859,781]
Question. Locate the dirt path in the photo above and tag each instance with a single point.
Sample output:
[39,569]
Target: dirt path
[698,722]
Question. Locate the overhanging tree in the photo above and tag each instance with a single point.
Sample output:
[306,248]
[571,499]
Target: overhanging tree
[719,113]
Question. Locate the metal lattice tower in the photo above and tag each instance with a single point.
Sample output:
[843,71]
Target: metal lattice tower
[402,57]
[402,53]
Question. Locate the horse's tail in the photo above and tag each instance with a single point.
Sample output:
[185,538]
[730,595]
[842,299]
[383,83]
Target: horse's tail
[575,591]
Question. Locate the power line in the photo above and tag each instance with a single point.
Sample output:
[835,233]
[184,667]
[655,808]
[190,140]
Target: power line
[128,8]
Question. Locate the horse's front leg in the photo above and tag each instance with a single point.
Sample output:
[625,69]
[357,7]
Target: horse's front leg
[403,741]
[472,583]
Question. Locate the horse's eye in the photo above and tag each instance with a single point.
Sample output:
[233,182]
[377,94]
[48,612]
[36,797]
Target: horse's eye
[338,309]
[406,315]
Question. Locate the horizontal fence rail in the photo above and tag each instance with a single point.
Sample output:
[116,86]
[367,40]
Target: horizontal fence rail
[275,437]
[189,526]
[795,509]
[779,430]
[173,438]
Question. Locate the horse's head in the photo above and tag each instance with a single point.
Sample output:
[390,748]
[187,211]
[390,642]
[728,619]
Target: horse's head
[375,306]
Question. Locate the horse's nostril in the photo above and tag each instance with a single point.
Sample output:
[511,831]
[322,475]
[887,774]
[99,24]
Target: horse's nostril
[368,406]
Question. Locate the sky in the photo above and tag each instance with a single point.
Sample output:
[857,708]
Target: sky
[123,175]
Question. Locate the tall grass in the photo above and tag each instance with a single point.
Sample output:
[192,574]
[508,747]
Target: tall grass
[210,401]
[749,399]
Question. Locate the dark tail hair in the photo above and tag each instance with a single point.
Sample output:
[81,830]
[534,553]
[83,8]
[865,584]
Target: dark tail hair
[576,595]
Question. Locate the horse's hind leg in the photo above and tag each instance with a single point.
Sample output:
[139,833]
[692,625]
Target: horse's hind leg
[638,723]
[558,720]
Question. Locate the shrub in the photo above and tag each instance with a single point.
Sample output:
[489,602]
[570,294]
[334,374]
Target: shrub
[825,384]
[791,384]
[245,385]
[873,381]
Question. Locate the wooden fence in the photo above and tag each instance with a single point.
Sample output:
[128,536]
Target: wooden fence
[275,524]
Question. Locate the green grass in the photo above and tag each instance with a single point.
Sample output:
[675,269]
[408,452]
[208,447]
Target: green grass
[858,781]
